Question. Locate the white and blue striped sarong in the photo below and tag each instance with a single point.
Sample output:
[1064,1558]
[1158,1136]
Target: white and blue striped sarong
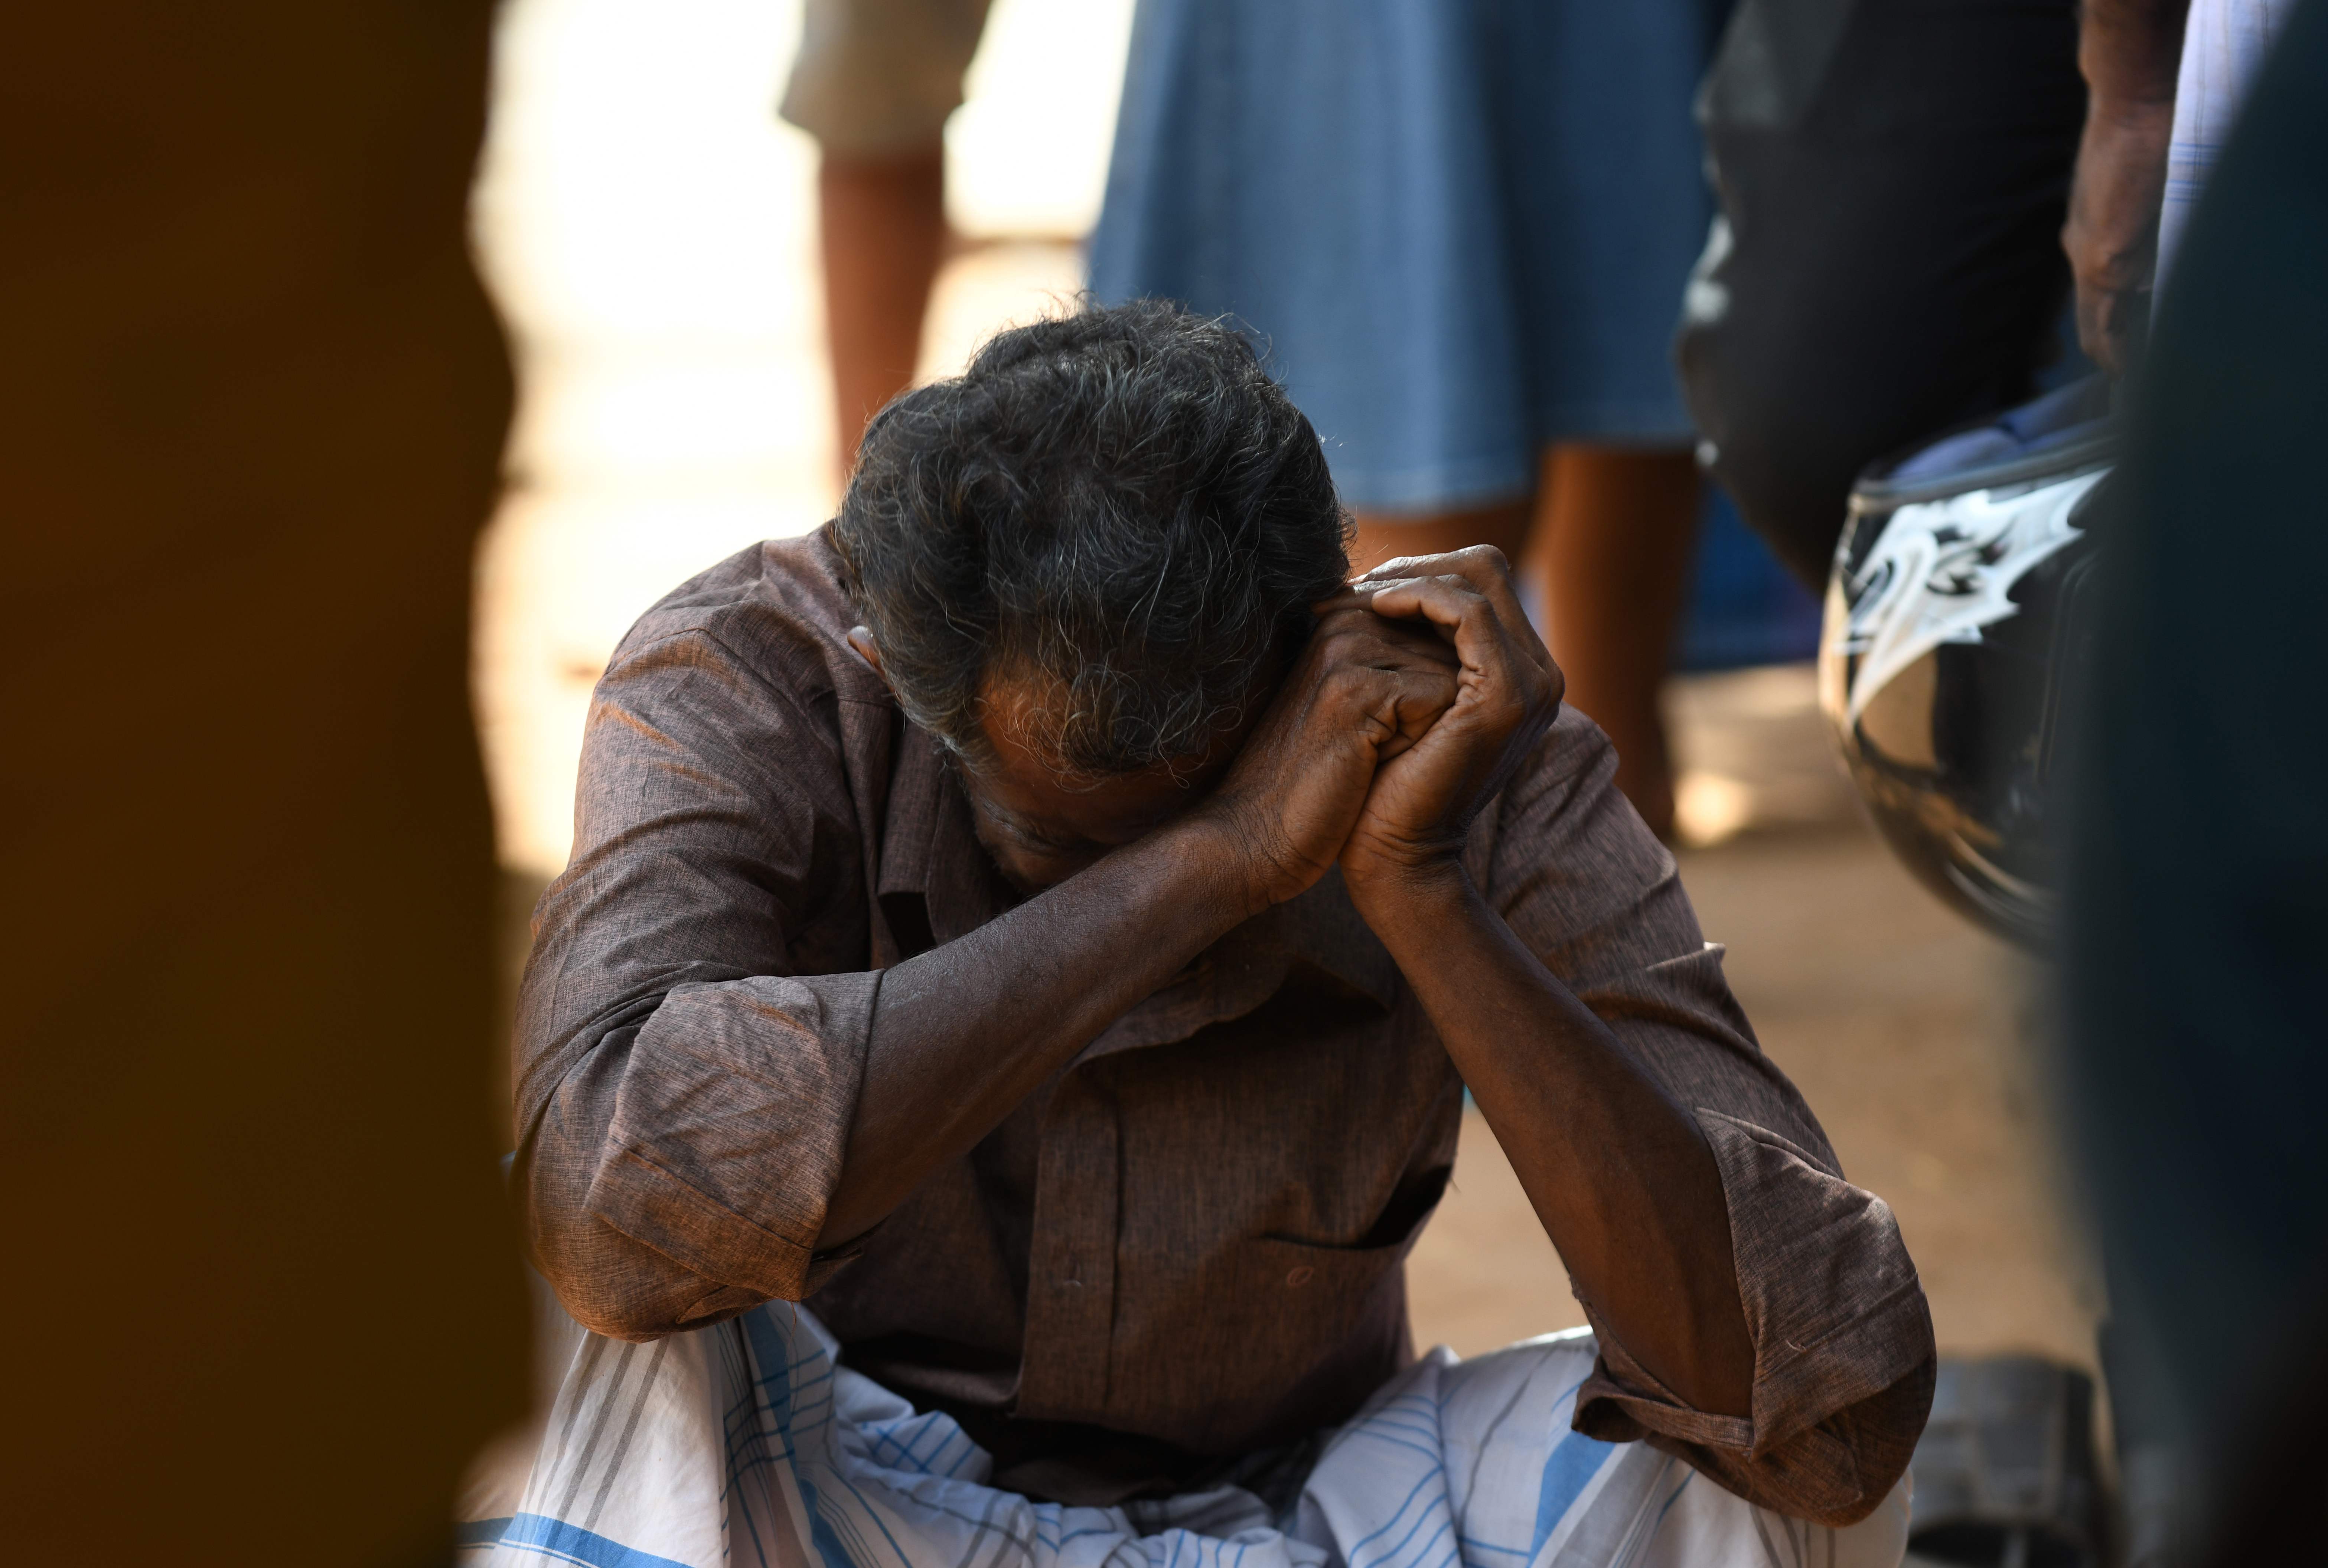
[745,1444]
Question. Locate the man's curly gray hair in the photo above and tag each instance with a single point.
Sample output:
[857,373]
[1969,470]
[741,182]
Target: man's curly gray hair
[1117,512]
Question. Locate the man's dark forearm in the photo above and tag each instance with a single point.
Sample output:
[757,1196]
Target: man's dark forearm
[963,1033]
[2130,49]
[1619,1175]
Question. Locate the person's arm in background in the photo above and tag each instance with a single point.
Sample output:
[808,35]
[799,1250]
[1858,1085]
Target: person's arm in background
[2129,51]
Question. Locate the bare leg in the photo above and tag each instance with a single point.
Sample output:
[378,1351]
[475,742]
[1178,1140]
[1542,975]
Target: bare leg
[1381,537]
[883,225]
[1609,562]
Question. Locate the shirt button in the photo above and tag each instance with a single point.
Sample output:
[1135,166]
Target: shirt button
[1301,1276]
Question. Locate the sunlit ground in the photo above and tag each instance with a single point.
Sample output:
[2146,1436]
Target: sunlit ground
[647,223]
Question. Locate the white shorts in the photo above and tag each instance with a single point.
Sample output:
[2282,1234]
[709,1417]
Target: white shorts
[876,78]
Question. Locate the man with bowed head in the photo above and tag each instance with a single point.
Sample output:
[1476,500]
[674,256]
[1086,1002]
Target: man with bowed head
[1045,920]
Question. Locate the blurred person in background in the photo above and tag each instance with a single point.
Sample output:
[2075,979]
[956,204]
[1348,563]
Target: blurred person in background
[263,1298]
[1458,230]
[1910,195]
[874,83]
[2198,894]
[1894,177]
[2160,97]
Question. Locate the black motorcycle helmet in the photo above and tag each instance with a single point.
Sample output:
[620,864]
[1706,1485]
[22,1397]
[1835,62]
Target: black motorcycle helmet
[1957,619]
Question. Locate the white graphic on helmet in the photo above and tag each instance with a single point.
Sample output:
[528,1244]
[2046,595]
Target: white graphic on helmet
[1942,570]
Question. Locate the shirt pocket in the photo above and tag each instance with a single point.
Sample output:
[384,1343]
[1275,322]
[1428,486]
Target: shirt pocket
[1314,1278]
[1271,1338]
[1332,1288]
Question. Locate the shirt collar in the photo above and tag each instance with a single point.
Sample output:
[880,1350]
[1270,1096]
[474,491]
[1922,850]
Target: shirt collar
[929,846]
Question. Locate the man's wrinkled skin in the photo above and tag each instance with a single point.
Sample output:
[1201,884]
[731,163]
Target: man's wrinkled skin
[2129,51]
[1421,690]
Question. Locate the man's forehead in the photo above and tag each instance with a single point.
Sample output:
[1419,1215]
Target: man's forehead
[1031,795]
[1024,704]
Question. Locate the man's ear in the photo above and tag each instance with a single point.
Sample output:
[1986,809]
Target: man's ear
[861,639]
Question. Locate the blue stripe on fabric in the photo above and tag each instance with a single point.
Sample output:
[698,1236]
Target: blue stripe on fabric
[930,1464]
[1686,1476]
[1392,1522]
[944,1429]
[884,1445]
[1426,1451]
[1421,1519]
[821,1532]
[1445,1526]
[912,1438]
[565,1543]
[871,1512]
[1568,1470]
[772,1349]
[1412,1428]
[1478,1545]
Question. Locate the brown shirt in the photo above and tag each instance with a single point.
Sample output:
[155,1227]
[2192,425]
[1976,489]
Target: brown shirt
[1194,1235]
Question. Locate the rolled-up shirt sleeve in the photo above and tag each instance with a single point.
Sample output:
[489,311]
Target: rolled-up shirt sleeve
[1844,1357]
[684,1092]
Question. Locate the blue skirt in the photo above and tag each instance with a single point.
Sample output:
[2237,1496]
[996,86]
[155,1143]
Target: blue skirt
[1459,229]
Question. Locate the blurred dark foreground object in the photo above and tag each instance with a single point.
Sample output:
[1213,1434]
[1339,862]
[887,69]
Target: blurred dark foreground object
[261,1299]
[1892,175]
[1958,619]
[2197,912]
[2004,1471]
